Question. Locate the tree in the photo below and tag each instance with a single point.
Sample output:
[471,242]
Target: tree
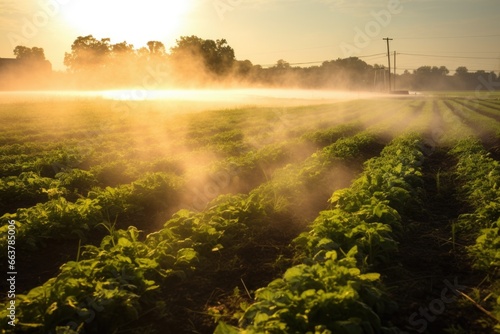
[423,71]
[24,53]
[243,67]
[88,53]
[216,56]
[122,48]
[156,48]
[282,64]
[442,70]
[461,71]
[224,59]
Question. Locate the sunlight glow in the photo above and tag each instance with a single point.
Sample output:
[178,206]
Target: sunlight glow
[233,95]
[136,22]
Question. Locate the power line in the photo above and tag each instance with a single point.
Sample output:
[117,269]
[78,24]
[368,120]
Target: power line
[304,63]
[322,61]
[309,62]
[443,56]
[373,55]
[382,55]
[451,37]
[492,52]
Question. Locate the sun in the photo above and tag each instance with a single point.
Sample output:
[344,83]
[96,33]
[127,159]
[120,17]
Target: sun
[134,21]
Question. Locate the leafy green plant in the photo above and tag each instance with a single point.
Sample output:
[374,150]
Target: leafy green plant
[333,289]
[121,276]
[480,178]
[333,295]
[24,190]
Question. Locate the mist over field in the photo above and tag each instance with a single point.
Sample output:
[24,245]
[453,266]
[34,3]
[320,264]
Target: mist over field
[296,167]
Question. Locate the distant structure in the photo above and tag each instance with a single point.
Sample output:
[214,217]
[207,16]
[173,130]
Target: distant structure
[19,74]
[12,64]
[8,64]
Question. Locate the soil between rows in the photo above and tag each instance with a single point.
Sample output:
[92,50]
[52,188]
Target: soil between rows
[433,261]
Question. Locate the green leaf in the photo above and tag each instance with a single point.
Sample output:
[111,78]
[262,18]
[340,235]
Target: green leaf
[223,328]
[293,272]
[146,263]
[124,242]
[370,277]
[186,255]
[29,325]
[52,308]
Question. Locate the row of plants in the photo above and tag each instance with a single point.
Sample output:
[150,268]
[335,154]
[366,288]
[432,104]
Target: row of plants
[481,107]
[58,218]
[479,176]
[288,185]
[280,196]
[111,156]
[258,166]
[491,104]
[71,201]
[41,161]
[72,204]
[100,146]
[453,127]
[483,125]
[417,117]
[126,276]
[30,185]
[27,189]
[334,288]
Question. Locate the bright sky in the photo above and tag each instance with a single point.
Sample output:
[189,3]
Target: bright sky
[425,32]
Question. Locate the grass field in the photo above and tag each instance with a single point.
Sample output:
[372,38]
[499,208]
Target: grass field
[372,215]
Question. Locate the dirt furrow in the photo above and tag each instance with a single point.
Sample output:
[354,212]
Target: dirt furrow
[433,262]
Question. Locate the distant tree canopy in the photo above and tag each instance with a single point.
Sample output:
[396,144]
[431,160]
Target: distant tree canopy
[88,53]
[194,61]
[217,56]
[437,78]
[156,48]
[191,59]
[34,54]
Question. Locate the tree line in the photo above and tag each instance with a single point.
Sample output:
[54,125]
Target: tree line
[195,62]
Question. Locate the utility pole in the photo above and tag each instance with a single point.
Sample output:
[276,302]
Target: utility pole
[394,70]
[389,60]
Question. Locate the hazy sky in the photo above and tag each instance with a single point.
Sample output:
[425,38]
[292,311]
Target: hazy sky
[426,32]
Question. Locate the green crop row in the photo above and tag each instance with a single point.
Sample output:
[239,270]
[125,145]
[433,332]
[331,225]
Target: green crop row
[483,125]
[479,175]
[333,290]
[44,162]
[69,205]
[480,184]
[24,190]
[288,184]
[59,218]
[330,135]
[106,288]
[127,277]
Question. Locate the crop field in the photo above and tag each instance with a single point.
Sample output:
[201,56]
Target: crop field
[372,215]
